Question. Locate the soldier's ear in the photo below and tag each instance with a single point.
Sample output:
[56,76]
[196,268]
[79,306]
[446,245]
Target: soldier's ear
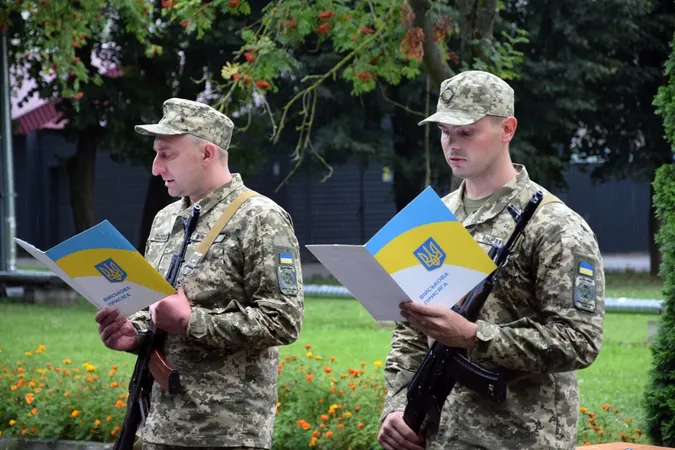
[210,153]
[508,128]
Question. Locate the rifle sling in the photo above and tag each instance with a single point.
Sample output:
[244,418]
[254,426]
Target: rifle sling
[204,245]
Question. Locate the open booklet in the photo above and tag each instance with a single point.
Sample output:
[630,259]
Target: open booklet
[104,268]
[423,254]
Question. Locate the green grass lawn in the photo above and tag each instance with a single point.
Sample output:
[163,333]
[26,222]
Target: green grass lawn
[342,328]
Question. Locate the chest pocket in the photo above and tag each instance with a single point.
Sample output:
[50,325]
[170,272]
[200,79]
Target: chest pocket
[155,247]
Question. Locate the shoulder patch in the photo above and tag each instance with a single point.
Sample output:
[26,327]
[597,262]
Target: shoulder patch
[287,277]
[584,291]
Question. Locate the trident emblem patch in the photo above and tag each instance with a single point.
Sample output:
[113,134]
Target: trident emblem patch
[430,254]
[111,271]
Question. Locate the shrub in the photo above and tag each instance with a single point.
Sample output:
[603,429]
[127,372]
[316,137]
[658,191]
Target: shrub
[660,390]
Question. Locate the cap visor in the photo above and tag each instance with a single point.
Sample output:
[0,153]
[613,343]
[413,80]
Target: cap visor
[453,118]
[156,129]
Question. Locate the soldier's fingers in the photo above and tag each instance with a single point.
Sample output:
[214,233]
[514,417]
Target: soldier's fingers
[396,441]
[109,330]
[105,316]
[405,431]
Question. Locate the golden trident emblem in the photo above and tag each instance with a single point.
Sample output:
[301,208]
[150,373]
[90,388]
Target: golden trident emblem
[111,270]
[430,254]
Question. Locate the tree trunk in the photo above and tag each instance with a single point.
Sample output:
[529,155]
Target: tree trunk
[156,198]
[476,22]
[80,169]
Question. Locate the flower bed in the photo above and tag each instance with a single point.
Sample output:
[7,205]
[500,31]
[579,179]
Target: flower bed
[321,403]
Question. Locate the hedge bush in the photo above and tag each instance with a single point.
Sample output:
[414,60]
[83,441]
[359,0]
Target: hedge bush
[660,390]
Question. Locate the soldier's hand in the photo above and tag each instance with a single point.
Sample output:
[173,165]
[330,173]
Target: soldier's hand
[395,434]
[117,332]
[172,313]
[441,324]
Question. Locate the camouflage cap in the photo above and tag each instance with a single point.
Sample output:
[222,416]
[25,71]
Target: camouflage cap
[189,117]
[469,96]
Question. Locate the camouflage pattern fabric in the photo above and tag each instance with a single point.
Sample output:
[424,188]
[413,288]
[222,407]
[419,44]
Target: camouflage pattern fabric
[247,298]
[189,117]
[148,446]
[469,96]
[543,321]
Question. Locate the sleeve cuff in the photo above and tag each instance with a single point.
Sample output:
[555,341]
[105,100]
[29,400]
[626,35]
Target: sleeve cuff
[197,324]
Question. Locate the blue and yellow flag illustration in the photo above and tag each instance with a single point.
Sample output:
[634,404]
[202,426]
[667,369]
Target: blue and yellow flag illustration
[106,269]
[427,251]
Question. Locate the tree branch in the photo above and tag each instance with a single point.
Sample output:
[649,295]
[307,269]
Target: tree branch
[433,61]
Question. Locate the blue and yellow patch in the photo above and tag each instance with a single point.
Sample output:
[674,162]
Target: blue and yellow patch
[287,278]
[285,258]
[585,268]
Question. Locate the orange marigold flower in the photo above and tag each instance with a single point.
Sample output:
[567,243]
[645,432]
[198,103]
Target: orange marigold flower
[591,420]
[325,14]
[327,369]
[265,85]
[340,426]
[639,432]
[315,433]
[324,417]
[361,425]
[310,377]
[329,434]
[605,406]
[33,411]
[114,384]
[75,413]
[583,410]
[308,346]
[119,404]
[332,359]
[29,398]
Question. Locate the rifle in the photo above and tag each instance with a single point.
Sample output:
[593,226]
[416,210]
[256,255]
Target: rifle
[443,366]
[151,364]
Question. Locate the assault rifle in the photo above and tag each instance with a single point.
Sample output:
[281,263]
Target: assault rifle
[151,364]
[443,366]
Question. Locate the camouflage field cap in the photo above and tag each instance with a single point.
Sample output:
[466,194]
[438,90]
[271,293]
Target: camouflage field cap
[189,117]
[469,96]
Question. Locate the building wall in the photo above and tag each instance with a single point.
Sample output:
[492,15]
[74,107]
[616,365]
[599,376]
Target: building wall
[348,208]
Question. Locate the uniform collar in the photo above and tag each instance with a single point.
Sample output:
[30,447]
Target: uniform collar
[215,196]
[497,202]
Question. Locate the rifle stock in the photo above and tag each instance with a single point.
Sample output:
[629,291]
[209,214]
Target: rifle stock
[444,366]
[151,364]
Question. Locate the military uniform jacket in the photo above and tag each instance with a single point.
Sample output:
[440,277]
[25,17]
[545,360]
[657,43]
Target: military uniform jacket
[542,322]
[246,297]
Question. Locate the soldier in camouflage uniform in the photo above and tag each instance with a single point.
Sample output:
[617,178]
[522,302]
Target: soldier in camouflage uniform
[234,306]
[544,318]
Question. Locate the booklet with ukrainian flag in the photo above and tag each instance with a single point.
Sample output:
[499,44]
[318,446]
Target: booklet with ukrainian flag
[105,268]
[423,254]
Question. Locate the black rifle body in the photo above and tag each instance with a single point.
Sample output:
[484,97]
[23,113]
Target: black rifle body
[444,366]
[140,385]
